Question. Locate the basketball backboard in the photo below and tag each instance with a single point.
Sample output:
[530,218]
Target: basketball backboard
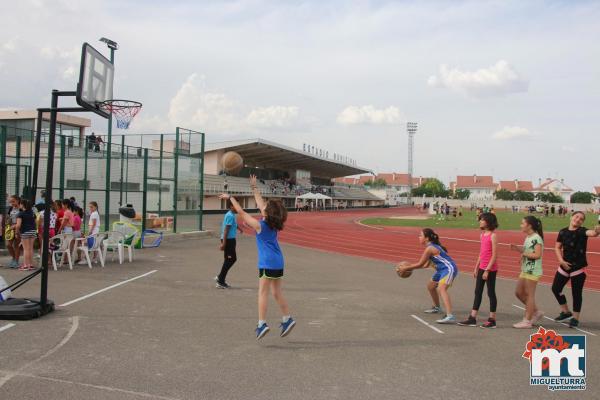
[96,76]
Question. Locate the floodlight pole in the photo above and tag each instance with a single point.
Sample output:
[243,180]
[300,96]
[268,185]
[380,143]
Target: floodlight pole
[112,46]
[411,128]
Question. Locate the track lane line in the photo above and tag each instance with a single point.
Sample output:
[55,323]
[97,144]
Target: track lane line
[426,323]
[562,323]
[87,296]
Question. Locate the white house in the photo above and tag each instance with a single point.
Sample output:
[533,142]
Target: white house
[556,186]
[480,187]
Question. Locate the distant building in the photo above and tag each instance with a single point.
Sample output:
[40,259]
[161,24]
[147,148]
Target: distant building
[516,185]
[597,193]
[556,186]
[480,187]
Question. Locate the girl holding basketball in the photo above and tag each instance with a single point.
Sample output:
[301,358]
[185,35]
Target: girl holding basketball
[445,273]
[531,270]
[485,272]
[571,248]
[270,257]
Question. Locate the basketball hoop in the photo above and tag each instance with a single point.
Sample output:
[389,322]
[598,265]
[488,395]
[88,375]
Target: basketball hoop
[123,110]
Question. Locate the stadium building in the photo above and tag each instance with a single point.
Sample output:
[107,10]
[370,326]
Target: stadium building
[292,175]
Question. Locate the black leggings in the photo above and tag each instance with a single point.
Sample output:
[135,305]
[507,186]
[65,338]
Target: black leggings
[577,283]
[491,289]
[230,258]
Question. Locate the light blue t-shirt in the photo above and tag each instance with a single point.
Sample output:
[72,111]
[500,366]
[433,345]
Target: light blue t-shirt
[230,221]
[269,252]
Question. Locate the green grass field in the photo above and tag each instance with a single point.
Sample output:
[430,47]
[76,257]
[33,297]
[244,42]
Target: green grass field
[506,219]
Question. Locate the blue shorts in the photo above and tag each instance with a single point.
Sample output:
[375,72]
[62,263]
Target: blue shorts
[445,276]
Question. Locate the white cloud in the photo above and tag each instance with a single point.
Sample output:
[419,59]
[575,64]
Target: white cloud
[194,105]
[273,117]
[354,115]
[511,132]
[569,149]
[497,80]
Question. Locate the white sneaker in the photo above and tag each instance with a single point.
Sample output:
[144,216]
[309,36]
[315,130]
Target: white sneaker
[433,310]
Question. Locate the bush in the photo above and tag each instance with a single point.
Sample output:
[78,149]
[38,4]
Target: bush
[520,195]
[582,197]
[504,194]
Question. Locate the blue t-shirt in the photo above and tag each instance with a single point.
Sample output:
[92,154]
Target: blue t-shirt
[269,252]
[230,221]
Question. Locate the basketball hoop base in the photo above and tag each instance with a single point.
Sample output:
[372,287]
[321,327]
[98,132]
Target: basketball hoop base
[24,309]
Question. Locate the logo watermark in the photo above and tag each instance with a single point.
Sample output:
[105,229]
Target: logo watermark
[556,361]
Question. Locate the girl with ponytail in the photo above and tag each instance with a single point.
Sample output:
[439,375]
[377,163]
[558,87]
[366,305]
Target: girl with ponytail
[445,272]
[531,270]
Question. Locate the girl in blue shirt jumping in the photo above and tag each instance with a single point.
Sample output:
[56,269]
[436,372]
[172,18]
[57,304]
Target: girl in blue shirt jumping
[270,257]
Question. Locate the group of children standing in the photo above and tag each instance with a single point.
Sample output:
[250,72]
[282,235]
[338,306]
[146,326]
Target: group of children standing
[570,249]
[24,224]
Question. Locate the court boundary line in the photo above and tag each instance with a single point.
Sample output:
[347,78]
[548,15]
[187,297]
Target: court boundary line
[64,341]
[427,324]
[7,326]
[562,323]
[87,296]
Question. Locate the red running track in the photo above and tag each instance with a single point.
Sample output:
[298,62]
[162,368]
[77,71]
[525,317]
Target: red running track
[341,232]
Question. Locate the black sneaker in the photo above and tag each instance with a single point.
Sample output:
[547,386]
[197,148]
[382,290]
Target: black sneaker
[573,323]
[222,285]
[471,321]
[489,324]
[563,316]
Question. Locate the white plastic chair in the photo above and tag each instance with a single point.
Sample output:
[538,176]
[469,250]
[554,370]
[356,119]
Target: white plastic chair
[114,242]
[130,234]
[62,243]
[98,238]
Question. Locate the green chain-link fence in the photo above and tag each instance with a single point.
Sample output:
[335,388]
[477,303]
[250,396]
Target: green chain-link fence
[162,178]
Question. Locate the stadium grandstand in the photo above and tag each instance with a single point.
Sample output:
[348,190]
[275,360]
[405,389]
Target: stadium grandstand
[294,176]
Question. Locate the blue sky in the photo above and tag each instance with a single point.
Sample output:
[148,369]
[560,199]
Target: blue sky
[508,88]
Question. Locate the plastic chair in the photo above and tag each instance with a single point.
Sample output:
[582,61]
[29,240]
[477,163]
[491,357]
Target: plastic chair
[96,247]
[62,247]
[129,243]
[114,241]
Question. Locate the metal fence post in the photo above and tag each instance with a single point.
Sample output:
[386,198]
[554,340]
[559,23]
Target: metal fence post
[160,172]
[61,188]
[3,169]
[18,167]
[202,182]
[121,178]
[145,190]
[175,177]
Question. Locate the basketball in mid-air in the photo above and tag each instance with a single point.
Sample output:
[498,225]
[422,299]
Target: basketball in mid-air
[401,272]
[232,163]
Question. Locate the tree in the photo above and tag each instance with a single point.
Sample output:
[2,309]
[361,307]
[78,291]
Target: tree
[504,194]
[582,197]
[520,195]
[548,197]
[377,183]
[462,194]
[431,188]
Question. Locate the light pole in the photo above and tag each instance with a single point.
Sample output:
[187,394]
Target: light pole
[411,128]
[113,46]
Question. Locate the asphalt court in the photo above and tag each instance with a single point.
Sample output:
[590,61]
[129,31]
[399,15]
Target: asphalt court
[361,333]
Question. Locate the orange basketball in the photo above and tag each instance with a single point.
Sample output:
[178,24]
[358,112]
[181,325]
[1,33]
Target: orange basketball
[232,163]
[402,273]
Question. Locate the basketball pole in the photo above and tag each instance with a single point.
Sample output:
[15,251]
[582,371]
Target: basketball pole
[411,128]
[112,46]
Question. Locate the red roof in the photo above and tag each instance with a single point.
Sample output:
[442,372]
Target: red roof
[597,190]
[474,181]
[392,179]
[544,186]
[513,186]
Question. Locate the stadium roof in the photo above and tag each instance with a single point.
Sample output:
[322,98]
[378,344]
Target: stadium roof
[265,154]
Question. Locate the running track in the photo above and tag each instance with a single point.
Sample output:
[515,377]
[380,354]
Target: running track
[341,232]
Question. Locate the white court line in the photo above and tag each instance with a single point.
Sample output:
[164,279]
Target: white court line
[5,327]
[426,323]
[562,323]
[87,296]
